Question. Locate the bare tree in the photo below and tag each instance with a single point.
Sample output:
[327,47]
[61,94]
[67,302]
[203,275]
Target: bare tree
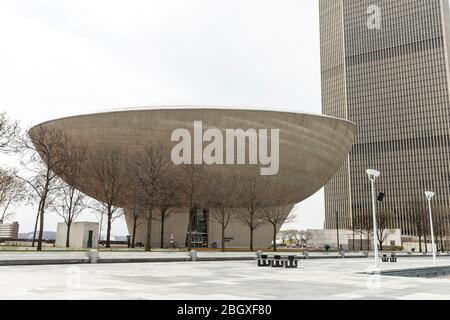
[167,198]
[149,165]
[305,236]
[135,212]
[284,236]
[384,220]
[420,220]
[108,180]
[276,213]
[292,236]
[253,196]
[101,213]
[297,236]
[441,227]
[46,148]
[9,132]
[136,219]
[69,203]
[357,228]
[363,225]
[222,200]
[12,191]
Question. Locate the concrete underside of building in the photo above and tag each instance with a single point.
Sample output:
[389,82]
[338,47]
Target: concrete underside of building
[311,149]
[237,234]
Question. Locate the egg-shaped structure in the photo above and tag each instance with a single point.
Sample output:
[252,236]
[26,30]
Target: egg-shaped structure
[297,153]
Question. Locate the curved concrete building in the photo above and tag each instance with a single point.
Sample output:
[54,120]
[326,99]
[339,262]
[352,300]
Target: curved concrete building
[310,148]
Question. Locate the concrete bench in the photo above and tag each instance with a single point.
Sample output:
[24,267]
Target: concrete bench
[291,262]
[263,260]
[277,261]
[392,258]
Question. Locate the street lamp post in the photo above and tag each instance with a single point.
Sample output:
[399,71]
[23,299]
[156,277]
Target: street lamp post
[430,195]
[373,174]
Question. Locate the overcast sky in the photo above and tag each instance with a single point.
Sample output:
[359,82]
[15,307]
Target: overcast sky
[60,58]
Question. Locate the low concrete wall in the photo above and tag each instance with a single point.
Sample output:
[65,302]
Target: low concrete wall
[42,258]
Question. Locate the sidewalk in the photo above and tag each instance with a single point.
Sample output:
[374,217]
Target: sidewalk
[80,257]
[64,257]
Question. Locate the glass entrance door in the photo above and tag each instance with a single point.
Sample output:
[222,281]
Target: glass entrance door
[199,228]
[89,240]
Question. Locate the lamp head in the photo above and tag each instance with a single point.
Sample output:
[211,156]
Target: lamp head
[429,194]
[373,174]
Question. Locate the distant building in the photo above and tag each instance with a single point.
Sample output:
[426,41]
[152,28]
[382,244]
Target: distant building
[350,240]
[385,66]
[46,235]
[9,231]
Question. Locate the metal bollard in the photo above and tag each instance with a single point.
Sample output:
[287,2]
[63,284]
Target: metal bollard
[93,256]
[258,254]
[193,255]
[342,254]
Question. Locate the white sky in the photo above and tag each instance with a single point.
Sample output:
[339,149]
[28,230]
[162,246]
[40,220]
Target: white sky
[61,58]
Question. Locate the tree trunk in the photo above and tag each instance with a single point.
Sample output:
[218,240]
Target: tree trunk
[148,242]
[108,229]
[274,237]
[191,214]
[420,243]
[68,234]
[133,237]
[41,218]
[36,226]
[353,241]
[251,238]
[425,241]
[41,230]
[163,216]
[101,228]
[223,237]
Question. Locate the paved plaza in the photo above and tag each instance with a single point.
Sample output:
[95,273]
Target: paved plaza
[223,280]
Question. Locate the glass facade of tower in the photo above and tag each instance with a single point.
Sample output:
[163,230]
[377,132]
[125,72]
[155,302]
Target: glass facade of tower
[393,82]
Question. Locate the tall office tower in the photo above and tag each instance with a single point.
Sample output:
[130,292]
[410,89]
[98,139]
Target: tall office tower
[384,66]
